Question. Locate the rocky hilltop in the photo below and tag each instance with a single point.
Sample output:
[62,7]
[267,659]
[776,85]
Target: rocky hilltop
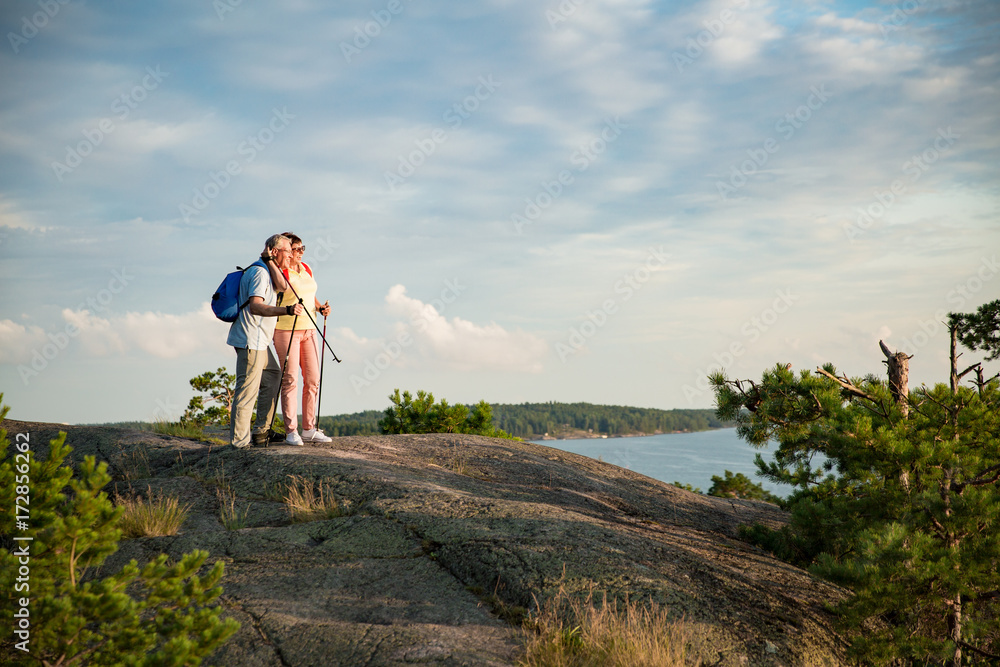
[445,536]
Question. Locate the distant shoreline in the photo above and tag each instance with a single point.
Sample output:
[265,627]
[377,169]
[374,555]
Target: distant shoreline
[598,436]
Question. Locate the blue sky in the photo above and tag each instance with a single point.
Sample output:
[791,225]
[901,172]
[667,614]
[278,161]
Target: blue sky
[590,200]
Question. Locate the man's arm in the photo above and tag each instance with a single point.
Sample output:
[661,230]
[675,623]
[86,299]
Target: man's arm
[257,307]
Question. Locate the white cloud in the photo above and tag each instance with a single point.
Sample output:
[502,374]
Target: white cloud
[158,334]
[742,41]
[18,341]
[12,216]
[849,25]
[458,344]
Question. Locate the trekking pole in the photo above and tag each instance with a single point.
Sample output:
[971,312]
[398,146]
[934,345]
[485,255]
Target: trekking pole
[322,360]
[284,366]
[313,320]
[288,352]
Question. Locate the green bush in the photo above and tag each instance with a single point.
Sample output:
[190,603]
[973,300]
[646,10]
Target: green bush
[740,486]
[160,614]
[422,415]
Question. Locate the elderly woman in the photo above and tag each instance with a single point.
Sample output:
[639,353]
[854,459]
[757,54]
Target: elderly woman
[296,338]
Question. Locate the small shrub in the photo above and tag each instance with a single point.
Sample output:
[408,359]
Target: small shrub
[741,486]
[574,632]
[311,501]
[151,517]
[687,487]
[157,614]
[422,415]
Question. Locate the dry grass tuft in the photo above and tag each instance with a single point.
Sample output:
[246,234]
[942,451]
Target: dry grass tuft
[131,464]
[155,516]
[231,518]
[311,501]
[574,632]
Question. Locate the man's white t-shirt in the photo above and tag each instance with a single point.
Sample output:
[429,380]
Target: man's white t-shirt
[249,330]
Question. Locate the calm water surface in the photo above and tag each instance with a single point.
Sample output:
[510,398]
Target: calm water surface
[688,458]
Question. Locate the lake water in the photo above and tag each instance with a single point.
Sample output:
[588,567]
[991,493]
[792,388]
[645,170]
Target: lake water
[688,458]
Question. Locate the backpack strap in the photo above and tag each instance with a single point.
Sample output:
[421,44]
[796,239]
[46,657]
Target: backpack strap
[242,305]
[261,265]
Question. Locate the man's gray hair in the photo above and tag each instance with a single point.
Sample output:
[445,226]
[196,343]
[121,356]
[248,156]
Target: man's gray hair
[273,241]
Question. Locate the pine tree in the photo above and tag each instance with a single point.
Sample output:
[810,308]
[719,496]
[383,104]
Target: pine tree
[218,388]
[160,614]
[905,510]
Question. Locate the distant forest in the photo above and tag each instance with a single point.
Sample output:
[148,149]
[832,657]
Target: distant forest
[534,420]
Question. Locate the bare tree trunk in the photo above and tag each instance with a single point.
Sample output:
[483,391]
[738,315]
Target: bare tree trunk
[953,330]
[899,377]
[955,631]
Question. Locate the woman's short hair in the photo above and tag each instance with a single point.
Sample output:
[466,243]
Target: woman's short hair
[291,236]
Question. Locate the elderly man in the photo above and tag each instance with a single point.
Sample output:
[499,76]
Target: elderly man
[257,371]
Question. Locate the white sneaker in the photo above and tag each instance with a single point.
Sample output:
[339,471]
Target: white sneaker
[316,435]
[293,438]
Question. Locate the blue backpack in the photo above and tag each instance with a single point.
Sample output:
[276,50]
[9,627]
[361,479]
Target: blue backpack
[225,301]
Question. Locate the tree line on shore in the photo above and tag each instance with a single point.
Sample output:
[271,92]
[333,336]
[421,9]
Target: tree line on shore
[530,421]
[533,421]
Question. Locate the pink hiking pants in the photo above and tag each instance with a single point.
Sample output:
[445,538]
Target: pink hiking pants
[302,354]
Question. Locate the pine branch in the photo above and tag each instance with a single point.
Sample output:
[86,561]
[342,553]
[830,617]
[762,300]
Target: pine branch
[847,385]
[992,595]
[980,481]
[968,370]
[991,656]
